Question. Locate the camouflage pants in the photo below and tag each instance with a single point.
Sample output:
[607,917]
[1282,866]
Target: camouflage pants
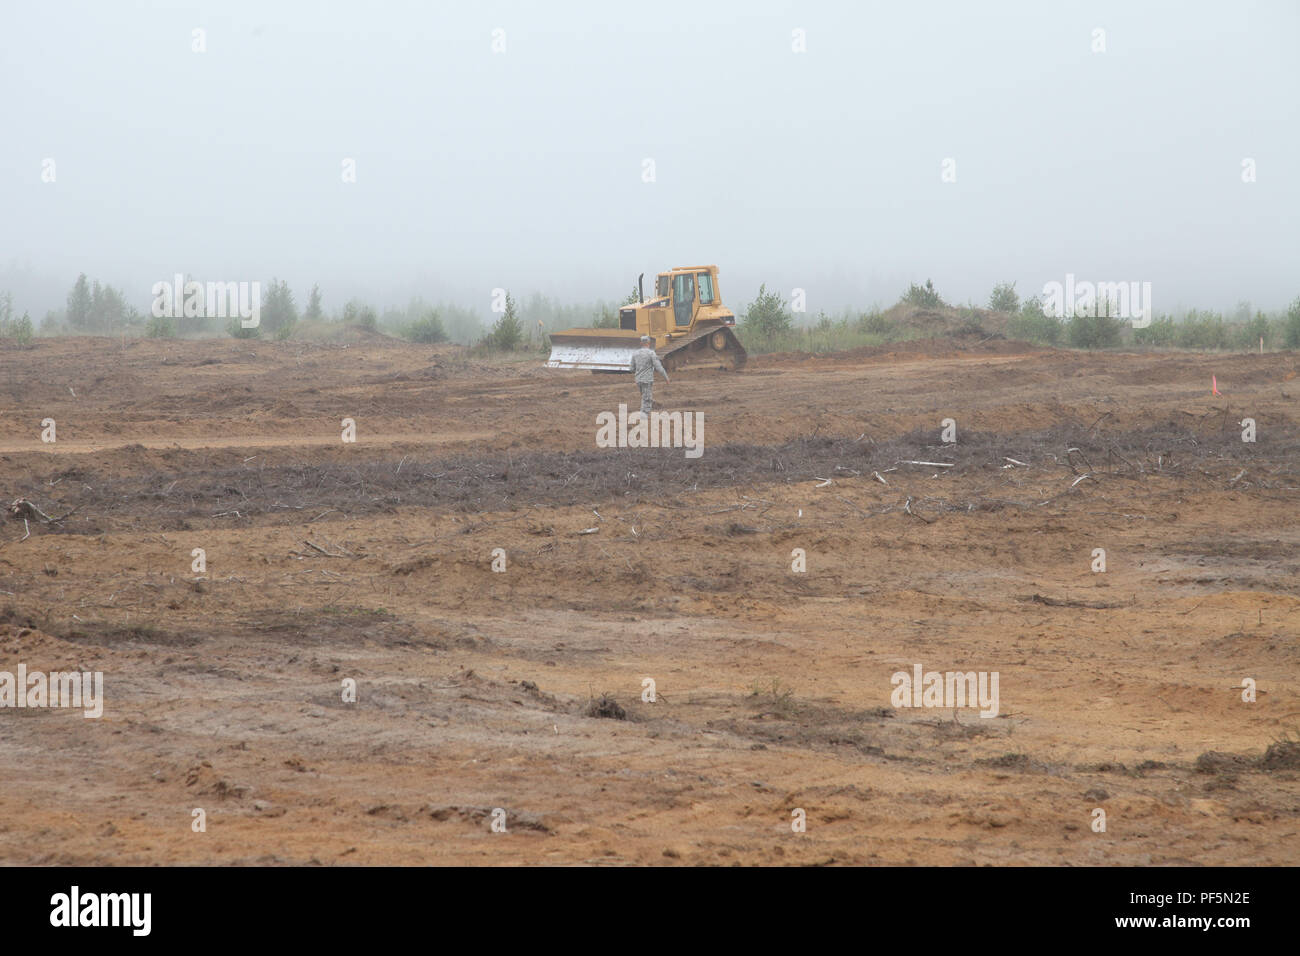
[646,401]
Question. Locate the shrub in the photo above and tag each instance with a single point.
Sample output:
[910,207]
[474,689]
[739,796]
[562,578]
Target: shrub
[1246,335]
[508,331]
[313,313]
[357,313]
[605,318]
[874,323]
[1094,331]
[1004,298]
[1032,324]
[1162,332]
[971,325]
[160,327]
[278,311]
[1202,330]
[78,313]
[20,329]
[767,314]
[426,329]
[237,331]
[1291,326]
[923,295]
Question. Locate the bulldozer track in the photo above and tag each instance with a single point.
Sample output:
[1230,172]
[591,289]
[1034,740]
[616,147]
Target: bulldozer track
[701,349]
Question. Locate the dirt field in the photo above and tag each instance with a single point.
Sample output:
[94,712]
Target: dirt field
[477,690]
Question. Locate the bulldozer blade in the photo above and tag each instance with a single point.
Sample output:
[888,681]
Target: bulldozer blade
[600,353]
[611,350]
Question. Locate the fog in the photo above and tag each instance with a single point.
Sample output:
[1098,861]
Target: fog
[798,145]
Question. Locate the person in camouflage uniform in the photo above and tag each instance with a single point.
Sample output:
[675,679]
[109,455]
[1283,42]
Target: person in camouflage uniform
[643,365]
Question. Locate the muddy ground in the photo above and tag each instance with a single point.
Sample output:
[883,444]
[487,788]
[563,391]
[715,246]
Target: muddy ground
[522,690]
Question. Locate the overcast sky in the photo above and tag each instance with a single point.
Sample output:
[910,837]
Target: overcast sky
[526,169]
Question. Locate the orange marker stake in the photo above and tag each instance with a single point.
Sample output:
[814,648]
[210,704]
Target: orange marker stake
[1214,385]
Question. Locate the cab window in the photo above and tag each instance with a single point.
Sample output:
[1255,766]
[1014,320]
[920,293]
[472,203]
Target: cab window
[663,286]
[684,288]
[706,288]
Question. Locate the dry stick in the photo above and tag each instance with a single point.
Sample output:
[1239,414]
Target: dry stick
[23,508]
[907,507]
[1121,457]
[1048,501]
[1068,602]
[853,506]
[340,548]
[1069,461]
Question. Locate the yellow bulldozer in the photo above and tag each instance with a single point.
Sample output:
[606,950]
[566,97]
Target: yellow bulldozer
[688,325]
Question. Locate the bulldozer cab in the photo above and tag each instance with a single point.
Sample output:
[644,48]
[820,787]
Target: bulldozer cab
[685,290]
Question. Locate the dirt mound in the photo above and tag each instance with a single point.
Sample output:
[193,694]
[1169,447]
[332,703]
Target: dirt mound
[341,333]
[969,343]
[946,321]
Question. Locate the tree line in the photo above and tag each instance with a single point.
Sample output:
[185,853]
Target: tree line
[94,308]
